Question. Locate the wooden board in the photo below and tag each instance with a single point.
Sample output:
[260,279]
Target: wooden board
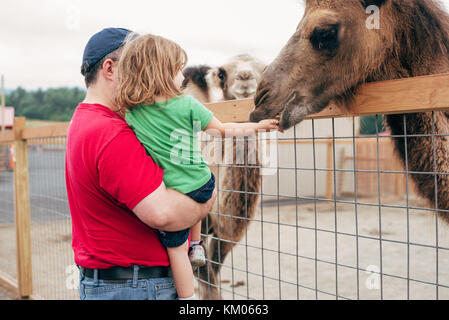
[233,110]
[58,130]
[419,94]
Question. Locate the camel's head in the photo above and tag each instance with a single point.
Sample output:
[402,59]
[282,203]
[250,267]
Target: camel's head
[333,50]
[239,78]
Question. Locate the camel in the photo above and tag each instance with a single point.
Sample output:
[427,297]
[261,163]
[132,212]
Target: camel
[333,52]
[236,79]
[239,77]
[202,82]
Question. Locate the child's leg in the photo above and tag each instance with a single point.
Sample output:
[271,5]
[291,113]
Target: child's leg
[182,270]
[196,232]
[196,253]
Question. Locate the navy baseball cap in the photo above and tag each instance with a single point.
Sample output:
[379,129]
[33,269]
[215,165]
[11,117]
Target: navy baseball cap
[101,44]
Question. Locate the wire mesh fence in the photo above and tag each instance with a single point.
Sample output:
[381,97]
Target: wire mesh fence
[7,221]
[332,214]
[52,255]
[338,218]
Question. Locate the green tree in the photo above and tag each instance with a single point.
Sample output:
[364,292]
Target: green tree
[56,104]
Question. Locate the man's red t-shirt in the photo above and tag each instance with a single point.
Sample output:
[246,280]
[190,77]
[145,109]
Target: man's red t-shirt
[107,174]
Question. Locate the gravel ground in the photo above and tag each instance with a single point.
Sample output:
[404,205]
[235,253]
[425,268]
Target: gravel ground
[5,294]
[308,257]
[363,252]
[301,256]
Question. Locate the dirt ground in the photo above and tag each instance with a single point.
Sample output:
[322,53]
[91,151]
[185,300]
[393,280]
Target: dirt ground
[369,267]
[6,294]
[302,255]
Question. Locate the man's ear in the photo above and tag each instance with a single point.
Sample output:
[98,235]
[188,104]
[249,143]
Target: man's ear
[367,3]
[108,69]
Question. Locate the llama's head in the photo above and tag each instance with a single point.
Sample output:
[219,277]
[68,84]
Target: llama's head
[239,78]
[336,47]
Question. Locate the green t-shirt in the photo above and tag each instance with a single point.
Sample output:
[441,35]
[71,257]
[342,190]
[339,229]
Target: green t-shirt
[169,132]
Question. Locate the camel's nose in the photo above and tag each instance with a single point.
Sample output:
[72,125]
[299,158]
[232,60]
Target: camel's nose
[262,95]
[254,116]
[245,75]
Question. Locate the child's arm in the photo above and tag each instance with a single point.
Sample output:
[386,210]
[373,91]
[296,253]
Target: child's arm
[241,129]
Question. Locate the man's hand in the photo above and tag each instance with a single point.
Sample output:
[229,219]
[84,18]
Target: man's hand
[171,211]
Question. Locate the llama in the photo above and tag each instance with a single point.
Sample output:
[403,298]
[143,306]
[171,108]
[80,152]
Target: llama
[234,80]
[333,52]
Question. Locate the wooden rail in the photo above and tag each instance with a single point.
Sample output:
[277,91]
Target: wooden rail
[420,94]
[426,93]
[58,130]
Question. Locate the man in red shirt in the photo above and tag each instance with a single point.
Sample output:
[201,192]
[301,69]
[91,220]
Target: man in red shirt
[116,194]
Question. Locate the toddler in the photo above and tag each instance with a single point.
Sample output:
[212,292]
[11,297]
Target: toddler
[166,122]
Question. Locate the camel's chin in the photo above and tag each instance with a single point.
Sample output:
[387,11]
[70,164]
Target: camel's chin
[293,115]
[257,115]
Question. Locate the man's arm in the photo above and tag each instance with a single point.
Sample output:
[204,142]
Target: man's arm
[131,177]
[169,210]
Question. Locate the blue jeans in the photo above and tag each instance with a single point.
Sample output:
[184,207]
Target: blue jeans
[137,289]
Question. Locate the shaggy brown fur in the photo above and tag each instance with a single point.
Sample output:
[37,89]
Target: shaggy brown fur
[241,183]
[238,199]
[195,82]
[333,52]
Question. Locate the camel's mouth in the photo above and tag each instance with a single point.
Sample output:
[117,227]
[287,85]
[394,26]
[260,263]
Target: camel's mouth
[267,108]
[245,94]
[293,99]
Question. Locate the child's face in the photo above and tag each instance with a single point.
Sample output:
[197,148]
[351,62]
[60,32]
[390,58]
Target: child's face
[179,79]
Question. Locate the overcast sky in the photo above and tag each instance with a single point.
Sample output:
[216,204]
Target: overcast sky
[42,41]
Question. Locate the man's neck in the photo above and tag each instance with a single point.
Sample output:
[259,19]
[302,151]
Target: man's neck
[93,98]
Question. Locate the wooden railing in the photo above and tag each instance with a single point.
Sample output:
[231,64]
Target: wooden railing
[420,94]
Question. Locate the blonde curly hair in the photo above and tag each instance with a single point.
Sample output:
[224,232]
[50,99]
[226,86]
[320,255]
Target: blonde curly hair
[147,69]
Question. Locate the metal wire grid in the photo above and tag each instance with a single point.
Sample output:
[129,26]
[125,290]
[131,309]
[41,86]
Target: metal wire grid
[52,257]
[263,249]
[7,227]
[416,285]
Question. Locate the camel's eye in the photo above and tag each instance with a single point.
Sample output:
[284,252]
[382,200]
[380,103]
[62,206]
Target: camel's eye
[222,75]
[325,38]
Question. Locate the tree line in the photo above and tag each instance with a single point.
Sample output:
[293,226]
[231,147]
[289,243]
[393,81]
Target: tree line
[55,104]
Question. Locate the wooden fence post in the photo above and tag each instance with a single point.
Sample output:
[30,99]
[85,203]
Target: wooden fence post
[22,212]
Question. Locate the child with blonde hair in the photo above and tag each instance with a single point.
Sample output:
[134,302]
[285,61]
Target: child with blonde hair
[150,81]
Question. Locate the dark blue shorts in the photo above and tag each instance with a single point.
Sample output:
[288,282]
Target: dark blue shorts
[201,195]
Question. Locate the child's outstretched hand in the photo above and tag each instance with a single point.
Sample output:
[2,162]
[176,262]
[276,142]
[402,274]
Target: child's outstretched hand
[269,124]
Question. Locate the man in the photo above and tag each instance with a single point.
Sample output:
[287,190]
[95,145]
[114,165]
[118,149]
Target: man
[116,194]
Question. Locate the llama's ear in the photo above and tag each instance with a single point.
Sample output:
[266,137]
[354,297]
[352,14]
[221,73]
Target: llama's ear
[367,3]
